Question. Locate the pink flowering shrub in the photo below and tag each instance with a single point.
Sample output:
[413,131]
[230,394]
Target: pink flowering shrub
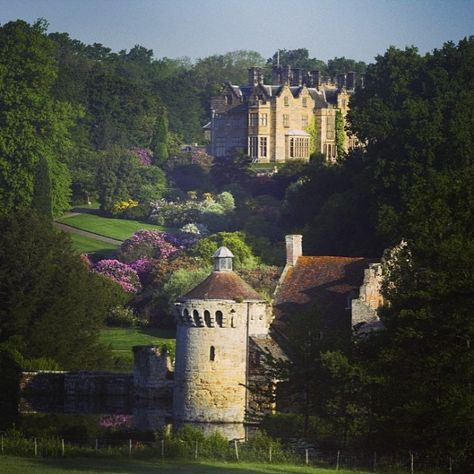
[120,272]
[147,243]
[114,421]
[144,155]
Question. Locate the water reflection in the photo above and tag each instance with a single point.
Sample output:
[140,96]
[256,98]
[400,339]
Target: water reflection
[121,414]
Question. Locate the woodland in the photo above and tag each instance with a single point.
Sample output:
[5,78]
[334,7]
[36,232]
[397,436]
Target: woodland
[80,123]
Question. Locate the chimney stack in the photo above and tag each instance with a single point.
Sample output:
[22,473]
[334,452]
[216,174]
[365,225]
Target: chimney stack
[351,81]
[297,77]
[286,75]
[341,81]
[255,76]
[293,248]
[315,79]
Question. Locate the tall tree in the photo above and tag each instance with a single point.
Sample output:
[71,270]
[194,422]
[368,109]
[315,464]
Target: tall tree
[415,115]
[32,124]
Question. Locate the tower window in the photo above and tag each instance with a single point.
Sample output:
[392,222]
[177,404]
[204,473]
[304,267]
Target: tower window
[207,318]
[219,318]
[196,318]
[212,353]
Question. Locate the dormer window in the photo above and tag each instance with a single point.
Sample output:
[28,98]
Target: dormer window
[286,101]
[228,99]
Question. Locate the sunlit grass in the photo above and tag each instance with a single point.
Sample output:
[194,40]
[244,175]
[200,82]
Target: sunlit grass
[84,244]
[119,229]
[121,341]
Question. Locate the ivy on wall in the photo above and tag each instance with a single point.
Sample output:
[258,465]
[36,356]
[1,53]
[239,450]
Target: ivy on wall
[340,134]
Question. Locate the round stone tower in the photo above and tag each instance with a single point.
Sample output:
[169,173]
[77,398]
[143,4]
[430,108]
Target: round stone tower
[214,321]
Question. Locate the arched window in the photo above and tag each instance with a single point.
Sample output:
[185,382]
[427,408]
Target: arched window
[196,318]
[219,318]
[185,316]
[212,353]
[207,318]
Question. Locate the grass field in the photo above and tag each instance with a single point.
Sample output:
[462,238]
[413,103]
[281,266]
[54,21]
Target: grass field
[87,245]
[16,465]
[122,340]
[119,229]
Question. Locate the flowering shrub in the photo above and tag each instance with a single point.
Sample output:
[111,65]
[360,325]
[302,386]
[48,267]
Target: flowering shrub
[144,155]
[181,213]
[174,214]
[120,272]
[147,243]
[195,229]
[114,421]
[124,317]
[120,206]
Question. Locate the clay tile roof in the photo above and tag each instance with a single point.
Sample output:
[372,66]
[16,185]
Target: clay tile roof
[328,282]
[223,286]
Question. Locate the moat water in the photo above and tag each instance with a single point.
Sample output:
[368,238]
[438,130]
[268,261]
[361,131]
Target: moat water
[86,417]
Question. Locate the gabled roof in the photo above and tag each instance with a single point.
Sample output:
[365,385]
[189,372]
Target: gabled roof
[223,286]
[327,282]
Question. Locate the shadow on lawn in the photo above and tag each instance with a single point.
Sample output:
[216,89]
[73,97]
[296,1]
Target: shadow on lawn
[121,465]
[87,210]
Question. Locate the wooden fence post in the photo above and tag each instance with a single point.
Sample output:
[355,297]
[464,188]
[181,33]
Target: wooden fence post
[196,450]
[450,464]
[236,450]
[270,454]
[307,456]
[162,448]
[412,464]
[96,444]
[337,460]
[129,447]
[62,447]
[2,445]
[374,467]
[36,447]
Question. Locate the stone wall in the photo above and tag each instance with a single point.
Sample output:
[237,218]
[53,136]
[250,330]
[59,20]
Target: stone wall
[152,373]
[364,308]
[210,366]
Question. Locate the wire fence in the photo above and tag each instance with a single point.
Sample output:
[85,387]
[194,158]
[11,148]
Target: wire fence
[217,448]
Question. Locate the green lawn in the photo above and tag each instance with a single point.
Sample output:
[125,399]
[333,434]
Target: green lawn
[87,245]
[16,465]
[119,229]
[122,340]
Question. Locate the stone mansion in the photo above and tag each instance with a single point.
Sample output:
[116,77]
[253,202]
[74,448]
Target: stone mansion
[285,121]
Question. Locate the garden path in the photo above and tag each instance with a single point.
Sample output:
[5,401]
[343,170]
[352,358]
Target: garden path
[68,228]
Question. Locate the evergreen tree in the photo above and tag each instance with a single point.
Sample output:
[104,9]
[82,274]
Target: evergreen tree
[160,137]
[52,305]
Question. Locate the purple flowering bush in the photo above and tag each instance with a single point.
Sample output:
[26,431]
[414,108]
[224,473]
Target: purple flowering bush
[147,243]
[120,272]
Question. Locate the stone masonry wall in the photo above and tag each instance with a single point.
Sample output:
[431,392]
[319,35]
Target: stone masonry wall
[210,364]
[364,308]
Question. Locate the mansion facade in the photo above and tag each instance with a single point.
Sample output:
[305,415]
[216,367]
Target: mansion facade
[288,120]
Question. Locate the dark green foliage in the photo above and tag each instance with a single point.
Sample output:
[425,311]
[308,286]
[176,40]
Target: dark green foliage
[234,241]
[42,189]
[10,368]
[416,116]
[159,143]
[340,135]
[52,305]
